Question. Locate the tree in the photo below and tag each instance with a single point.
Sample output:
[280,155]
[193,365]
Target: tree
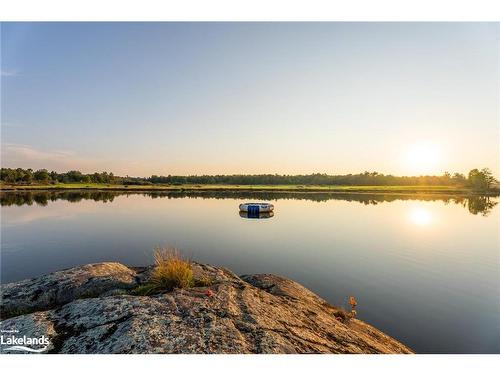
[459,179]
[480,179]
[28,176]
[54,177]
[73,176]
[41,175]
[488,176]
[8,175]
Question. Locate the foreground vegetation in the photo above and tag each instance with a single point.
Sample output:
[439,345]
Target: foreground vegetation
[171,271]
[478,180]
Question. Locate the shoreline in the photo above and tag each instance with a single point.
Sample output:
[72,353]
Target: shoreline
[94,308]
[399,190]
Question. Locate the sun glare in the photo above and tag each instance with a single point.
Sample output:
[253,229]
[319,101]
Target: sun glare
[420,216]
[423,158]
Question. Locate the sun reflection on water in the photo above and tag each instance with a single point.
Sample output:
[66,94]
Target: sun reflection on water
[421,216]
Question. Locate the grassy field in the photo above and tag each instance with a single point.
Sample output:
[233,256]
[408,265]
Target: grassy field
[289,188]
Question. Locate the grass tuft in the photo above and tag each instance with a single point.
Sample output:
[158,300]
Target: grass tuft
[204,281]
[171,270]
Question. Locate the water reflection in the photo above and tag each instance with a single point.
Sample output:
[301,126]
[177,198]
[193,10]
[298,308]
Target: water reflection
[421,216]
[253,215]
[482,205]
[420,266]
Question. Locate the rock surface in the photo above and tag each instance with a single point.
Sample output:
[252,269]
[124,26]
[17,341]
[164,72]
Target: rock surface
[59,288]
[89,309]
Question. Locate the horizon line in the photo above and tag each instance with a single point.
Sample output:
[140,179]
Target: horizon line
[253,174]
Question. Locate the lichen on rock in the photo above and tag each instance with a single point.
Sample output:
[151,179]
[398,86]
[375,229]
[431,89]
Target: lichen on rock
[61,287]
[87,310]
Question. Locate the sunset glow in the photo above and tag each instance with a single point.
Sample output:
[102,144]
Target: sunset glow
[145,165]
[334,98]
[424,158]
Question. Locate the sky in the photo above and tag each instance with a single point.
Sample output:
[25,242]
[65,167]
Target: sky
[229,98]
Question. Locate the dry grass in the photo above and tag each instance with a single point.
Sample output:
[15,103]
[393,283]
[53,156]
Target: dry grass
[171,270]
[203,281]
[342,314]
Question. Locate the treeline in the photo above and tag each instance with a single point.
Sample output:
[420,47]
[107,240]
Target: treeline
[366,178]
[477,179]
[28,176]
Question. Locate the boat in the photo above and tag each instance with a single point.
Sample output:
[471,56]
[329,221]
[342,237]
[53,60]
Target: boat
[256,208]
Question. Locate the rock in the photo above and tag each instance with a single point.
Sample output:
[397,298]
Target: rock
[248,314]
[59,288]
[33,325]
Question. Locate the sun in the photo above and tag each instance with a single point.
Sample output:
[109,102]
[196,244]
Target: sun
[423,158]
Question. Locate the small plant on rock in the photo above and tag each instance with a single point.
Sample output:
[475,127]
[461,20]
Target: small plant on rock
[171,270]
[203,281]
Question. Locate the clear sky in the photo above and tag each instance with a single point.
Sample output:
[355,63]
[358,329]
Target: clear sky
[288,98]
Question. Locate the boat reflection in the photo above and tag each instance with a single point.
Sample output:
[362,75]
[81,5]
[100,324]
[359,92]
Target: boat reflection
[253,215]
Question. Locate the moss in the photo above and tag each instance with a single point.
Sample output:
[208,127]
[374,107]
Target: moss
[11,313]
[203,281]
[145,290]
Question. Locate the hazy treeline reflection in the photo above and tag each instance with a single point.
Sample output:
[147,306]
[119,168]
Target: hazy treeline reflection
[476,204]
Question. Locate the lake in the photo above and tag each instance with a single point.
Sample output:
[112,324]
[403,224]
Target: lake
[424,269]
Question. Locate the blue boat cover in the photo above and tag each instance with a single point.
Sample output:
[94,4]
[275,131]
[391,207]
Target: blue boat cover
[253,211]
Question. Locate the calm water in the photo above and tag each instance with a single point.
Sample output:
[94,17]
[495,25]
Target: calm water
[424,271]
